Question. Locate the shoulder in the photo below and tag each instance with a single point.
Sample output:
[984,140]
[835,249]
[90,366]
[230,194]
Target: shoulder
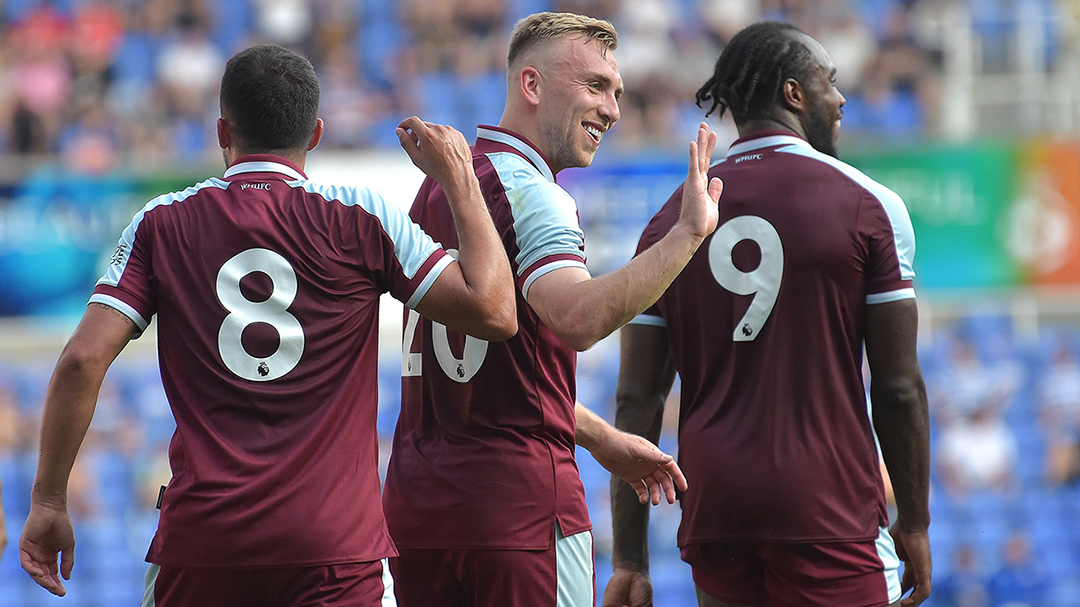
[888,198]
[356,198]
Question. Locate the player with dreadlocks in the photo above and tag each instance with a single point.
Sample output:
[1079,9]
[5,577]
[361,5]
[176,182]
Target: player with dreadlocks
[766,326]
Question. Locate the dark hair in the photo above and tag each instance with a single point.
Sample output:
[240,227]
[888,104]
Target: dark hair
[753,67]
[270,96]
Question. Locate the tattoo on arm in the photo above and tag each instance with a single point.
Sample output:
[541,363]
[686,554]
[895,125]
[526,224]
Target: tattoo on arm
[114,312]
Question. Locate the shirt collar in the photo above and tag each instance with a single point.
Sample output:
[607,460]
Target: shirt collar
[519,144]
[765,139]
[265,163]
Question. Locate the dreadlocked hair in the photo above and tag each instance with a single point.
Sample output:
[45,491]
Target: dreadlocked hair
[752,68]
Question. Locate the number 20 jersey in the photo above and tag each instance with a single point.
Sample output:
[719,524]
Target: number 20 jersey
[483,453]
[765,325]
[266,289]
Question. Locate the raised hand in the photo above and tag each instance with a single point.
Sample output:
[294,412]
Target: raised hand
[438,150]
[700,211]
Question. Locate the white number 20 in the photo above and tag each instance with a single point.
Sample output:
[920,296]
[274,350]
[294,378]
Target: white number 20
[461,369]
[762,282]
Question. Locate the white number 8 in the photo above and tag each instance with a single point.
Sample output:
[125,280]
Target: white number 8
[244,312]
[763,282]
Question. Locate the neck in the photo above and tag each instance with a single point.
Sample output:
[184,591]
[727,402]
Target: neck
[232,155]
[523,121]
[784,122]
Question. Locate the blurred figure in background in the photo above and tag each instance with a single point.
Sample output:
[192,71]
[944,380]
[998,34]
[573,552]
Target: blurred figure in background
[965,584]
[977,452]
[1020,581]
[1059,414]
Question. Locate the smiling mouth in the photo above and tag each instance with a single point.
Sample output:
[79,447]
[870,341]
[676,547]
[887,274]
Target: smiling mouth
[595,133]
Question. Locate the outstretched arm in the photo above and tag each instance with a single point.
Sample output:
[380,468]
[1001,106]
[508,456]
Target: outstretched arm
[648,470]
[582,310]
[475,295]
[645,378]
[69,406]
[901,420]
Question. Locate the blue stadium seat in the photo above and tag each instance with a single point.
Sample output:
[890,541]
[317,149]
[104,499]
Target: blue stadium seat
[523,8]
[377,44]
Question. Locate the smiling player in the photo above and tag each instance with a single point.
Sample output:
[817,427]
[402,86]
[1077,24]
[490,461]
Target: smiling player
[482,494]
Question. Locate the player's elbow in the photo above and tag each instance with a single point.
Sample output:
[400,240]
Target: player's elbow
[577,338]
[79,363]
[500,325]
[906,393]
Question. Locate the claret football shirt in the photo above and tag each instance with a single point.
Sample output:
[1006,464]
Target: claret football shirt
[266,289]
[483,454]
[766,328]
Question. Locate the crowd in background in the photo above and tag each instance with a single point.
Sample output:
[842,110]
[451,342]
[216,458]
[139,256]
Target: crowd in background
[1006,415]
[107,83]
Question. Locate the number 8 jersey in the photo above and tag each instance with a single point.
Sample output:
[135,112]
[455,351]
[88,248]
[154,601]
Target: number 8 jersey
[765,326]
[266,289]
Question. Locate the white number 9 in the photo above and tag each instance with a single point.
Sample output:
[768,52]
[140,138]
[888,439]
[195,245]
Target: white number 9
[763,282]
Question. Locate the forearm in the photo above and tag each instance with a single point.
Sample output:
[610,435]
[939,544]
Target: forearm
[481,256]
[592,309]
[901,420]
[72,396]
[630,528]
[629,517]
[69,407]
[591,430]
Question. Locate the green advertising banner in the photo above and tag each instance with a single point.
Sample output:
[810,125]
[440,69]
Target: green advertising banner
[960,200]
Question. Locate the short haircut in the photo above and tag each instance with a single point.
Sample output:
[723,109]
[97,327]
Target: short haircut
[550,26]
[752,69]
[270,96]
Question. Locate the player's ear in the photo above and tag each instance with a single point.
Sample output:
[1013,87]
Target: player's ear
[316,137]
[792,95]
[529,81]
[224,135]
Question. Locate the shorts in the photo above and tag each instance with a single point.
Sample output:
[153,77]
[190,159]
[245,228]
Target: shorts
[777,574]
[343,585]
[562,576]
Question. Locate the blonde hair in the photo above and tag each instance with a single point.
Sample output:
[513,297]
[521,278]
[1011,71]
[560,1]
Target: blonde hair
[549,26]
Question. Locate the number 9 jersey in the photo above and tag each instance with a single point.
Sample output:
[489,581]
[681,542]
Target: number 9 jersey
[266,289]
[765,326]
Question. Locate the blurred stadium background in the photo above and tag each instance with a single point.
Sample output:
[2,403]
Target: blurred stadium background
[970,109]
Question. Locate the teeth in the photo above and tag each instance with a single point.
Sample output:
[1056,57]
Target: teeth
[595,132]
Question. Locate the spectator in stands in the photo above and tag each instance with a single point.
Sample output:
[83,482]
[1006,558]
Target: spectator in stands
[964,382]
[965,584]
[1059,414]
[41,78]
[189,68]
[3,526]
[13,428]
[1021,581]
[978,452]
